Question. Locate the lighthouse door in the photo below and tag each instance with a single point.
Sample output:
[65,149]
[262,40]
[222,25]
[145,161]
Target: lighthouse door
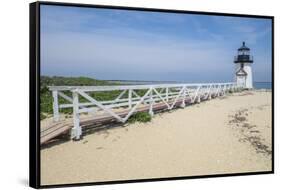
[241,81]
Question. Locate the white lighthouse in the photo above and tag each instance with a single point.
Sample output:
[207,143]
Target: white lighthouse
[243,67]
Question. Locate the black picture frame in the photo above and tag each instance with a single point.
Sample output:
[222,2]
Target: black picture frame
[34,83]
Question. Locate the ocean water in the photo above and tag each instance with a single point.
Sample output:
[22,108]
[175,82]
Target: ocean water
[257,85]
[262,85]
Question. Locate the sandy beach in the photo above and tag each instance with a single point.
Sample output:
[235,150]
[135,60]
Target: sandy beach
[230,134]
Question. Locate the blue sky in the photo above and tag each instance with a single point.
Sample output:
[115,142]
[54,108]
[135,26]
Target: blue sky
[136,45]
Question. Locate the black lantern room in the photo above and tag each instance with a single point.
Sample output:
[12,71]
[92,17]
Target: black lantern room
[243,55]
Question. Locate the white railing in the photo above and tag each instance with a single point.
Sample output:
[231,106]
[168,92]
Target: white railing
[130,98]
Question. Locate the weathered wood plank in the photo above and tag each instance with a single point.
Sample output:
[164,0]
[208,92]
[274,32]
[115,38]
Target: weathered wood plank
[57,129]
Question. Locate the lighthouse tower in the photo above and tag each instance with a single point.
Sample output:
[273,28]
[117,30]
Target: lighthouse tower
[243,67]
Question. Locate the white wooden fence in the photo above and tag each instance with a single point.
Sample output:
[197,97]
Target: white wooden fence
[130,98]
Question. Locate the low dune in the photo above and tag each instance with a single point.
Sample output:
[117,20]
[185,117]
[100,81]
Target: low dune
[230,134]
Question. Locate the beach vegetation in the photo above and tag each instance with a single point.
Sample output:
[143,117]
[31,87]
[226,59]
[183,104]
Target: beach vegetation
[142,117]
[46,100]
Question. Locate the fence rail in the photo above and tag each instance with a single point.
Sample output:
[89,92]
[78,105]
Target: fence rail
[131,99]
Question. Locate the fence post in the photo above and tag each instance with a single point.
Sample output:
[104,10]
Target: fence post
[55,105]
[218,90]
[221,90]
[76,131]
[210,93]
[199,95]
[130,98]
[224,90]
[184,96]
[151,102]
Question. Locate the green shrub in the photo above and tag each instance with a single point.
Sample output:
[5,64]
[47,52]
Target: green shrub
[46,100]
[42,116]
[142,117]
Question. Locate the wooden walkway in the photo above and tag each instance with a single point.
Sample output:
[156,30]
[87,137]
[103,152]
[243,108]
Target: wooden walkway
[59,128]
[129,101]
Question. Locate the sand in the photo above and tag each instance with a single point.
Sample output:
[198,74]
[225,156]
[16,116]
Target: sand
[224,135]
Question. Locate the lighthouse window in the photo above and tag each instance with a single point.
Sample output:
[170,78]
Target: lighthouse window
[244,52]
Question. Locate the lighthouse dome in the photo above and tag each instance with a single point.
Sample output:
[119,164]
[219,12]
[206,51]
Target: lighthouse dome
[243,55]
[243,47]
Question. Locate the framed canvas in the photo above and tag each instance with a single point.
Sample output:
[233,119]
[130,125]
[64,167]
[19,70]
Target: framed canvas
[126,94]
